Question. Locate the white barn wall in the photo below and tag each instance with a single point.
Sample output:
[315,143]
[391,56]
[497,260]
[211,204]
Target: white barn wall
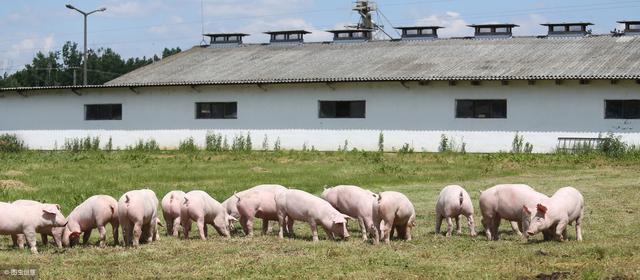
[418,115]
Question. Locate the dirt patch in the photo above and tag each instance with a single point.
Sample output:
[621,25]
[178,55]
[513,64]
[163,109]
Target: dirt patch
[13,173]
[259,169]
[553,275]
[13,185]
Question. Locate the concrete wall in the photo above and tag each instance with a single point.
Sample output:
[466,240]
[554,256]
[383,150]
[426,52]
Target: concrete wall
[417,115]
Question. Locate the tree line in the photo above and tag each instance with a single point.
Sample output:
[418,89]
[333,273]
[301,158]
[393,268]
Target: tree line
[65,67]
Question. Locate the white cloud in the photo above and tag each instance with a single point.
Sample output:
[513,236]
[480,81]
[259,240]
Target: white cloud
[530,25]
[174,26]
[454,25]
[133,9]
[257,27]
[250,8]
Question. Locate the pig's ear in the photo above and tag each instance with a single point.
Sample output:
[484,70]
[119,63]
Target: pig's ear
[58,206]
[542,208]
[75,234]
[339,219]
[50,210]
[348,217]
[525,209]
[158,222]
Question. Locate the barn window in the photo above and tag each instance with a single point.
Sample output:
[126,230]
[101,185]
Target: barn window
[622,109]
[481,109]
[342,109]
[217,110]
[95,112]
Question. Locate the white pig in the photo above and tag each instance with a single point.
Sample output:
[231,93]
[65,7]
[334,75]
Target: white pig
[505,202]
[397,213]
[56,232]
[563,208]
[171,211]
[231,204]
[95,212]
[453,202]
[298,205]
[200,207]
[357,203]
[258,203]
[138,216]
[27,220]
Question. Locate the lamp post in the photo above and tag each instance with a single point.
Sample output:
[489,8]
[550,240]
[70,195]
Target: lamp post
[86,55]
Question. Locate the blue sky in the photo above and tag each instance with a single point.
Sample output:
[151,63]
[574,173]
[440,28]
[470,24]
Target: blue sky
[145,27]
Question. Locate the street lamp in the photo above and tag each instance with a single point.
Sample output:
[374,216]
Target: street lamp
[86,55]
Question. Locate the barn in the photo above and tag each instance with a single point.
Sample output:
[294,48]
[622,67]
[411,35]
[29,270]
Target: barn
[564,88]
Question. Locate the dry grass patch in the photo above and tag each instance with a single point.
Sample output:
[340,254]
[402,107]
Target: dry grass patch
[13,185]
[13,173]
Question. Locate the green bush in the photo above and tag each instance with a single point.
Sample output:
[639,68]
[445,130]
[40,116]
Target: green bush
[142,146]
[76,145]
[10,143]
[188,145]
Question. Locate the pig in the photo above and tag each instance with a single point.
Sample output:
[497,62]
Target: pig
[563,208]
[357,203]
[200,207]
[258,202]
[27,220]
[453,202]
[138,216]
[299,205]
[171,211]
[505,202]
[95,212]
[56,232]
[231,204]
[396,212]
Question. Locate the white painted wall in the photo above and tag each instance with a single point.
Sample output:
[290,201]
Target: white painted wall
[418,115]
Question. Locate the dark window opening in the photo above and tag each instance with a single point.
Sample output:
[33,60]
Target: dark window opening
[95,112]
[481,109]
[622,109]
[217,110]
[342,109]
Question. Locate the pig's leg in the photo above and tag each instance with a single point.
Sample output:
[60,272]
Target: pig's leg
[244,223]
[169,221]
[201,226]
[449,226]
[176,223]
[314,230]
[579,227]
[472,225]
[386,231]
[103,235]
[58,240]
[516,228]
[560,228]
[495,226]
[266,227]
[45,239]
[114,227]
[458,229]
[86,236]
[137,232]
[486,224]
[14,239]
[407,232]
[369,225]
[438,223]
[363,229]
[30,235]
[249,226]
[290,227]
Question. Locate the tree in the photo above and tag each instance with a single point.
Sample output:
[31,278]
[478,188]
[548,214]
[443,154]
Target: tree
[169,52]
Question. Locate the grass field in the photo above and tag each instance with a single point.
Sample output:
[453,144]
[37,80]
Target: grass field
[611,227]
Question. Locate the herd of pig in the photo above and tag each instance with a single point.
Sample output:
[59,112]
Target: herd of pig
[380,215]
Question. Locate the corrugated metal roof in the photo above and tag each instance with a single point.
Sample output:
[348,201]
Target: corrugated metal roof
[520,58]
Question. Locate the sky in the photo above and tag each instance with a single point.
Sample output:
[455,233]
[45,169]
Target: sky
[136,28]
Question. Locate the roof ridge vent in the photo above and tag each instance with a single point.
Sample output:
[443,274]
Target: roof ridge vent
[351,35]
[419,32]
[631,27]
[222,40]
[287,36]
[494,30]
[568,29]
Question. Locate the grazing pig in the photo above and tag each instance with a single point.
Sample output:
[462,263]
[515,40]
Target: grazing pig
[453,202]
[95,212]
[56,232]
[396,212]
[258,202]
[505,202]
[200,207]
[138,216]
[27,220]
[231,204]
[555,213]
[171,211]
[298,205]
[358,203]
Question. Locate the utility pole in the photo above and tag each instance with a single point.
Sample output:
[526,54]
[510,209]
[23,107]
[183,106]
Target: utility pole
[86,55]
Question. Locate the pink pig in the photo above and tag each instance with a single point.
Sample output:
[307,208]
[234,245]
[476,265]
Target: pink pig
[95,212]
[453,202]
[563,208]
[358,203]
[397,213]
[138,216]
[171,211]
[27,220]
[200,207]
[258,203]
[231,204]
[296,205]
[56,232]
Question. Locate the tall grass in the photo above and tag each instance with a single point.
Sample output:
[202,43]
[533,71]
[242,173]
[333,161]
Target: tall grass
[10,143]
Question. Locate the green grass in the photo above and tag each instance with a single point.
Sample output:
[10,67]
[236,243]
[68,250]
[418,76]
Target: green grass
[611,227]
